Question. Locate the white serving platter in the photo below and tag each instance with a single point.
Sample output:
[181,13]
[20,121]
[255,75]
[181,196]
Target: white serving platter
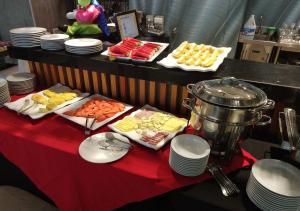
[171,62]
[162,48]
[33,112]
[81,120]
[133,135]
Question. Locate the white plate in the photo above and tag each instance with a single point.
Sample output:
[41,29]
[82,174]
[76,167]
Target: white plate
[83,42]
[3,82]
[20,77]
[27,30]
[171,62]
[28,35]
[267,193]
[84,49]
[83,52]
[90,150]
[81,120]
[26,46]
[278,176]
[190,146]
[34,111]
[136,137]
[54,37]
[162,48]
[266,203]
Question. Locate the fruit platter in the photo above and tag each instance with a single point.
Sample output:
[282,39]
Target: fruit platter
[194,57]
[47,101]
[135,50]
[94,111]
[150,127]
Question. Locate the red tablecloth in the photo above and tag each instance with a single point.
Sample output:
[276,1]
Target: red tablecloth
[47,152]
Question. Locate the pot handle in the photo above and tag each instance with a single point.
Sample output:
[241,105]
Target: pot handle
[267,121]
[232,79]
[188,103]
[190,87]
[269,105]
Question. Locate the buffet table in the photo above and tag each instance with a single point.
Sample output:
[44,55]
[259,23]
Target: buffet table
[46,150]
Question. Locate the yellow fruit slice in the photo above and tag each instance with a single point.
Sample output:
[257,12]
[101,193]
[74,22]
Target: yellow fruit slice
[126,124]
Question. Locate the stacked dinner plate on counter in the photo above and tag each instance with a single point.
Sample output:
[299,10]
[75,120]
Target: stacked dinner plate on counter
[83,46]
[274,185]
[21,83]
[189,155]
[4,93]
[27,37]
[54,42]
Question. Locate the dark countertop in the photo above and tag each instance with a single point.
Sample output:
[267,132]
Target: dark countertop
[274,75]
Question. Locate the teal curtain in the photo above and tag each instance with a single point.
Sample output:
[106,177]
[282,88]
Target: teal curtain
[216,22]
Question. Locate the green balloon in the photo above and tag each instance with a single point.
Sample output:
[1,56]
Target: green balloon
[84,3]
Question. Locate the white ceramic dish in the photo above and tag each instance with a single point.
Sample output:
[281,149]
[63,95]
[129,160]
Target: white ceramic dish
[54,37]
[20,77]
[190,146]
[162,48]
[83,42]
[278,177]
[90,149]
[170,62]
[189,155]
[33,112]
[28,30]
[81,120]
[133,135]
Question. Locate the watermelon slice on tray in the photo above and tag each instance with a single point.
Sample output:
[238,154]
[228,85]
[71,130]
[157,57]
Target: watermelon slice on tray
[135,50]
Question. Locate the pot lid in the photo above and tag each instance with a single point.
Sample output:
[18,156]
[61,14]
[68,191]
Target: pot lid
[229,92]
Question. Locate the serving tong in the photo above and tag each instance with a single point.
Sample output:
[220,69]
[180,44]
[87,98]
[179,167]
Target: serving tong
[290,126]
[292,132]
[87,130]
[228,188]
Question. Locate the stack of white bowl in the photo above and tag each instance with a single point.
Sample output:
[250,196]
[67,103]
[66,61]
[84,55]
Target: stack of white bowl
[274,185]
[21,83]
[189,155]
[83,46]
[4,92]
[54,42]
[27,37]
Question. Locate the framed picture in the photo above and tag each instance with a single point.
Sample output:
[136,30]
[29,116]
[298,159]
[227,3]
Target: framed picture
[127,24]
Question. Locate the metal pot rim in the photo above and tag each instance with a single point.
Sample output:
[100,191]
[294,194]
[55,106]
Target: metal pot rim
[211,92]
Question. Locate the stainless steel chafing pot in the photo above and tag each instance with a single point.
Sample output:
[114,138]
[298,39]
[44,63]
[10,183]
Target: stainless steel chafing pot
[223,111]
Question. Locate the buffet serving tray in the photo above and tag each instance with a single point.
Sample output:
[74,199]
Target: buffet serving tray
[33,112]
[170,62]
[81,120]
[162,48]
[133,135]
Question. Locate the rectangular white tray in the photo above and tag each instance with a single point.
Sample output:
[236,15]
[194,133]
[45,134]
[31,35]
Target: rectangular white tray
[136,137]
[163,47]
[170,62]
[34,111]
[81,120]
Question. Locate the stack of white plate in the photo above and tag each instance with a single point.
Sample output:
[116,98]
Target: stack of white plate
[189,155]
[21,83]
[4,93]
[54,42]
[27,37]
[83,46]
[274,185]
